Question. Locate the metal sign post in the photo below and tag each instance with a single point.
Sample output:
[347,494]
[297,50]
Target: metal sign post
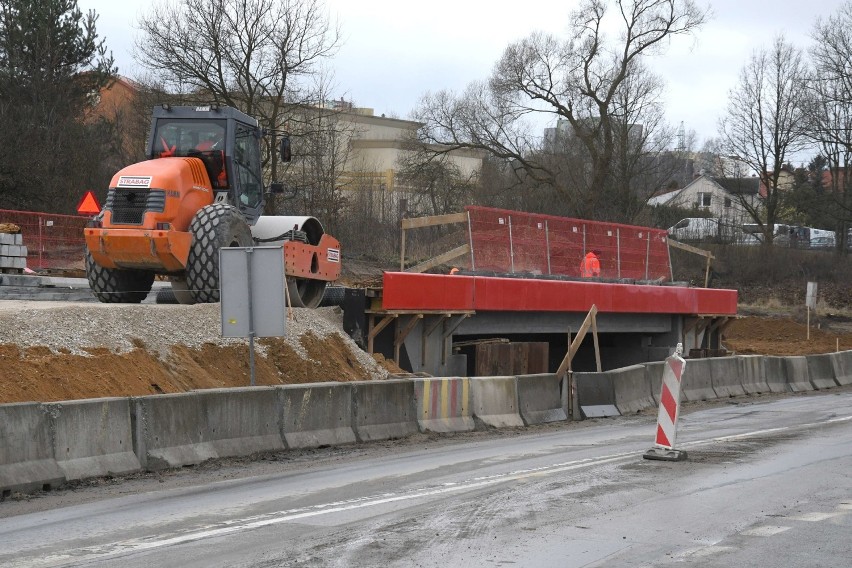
[253,294]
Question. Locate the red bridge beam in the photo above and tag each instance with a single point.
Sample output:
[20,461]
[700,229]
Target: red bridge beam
[406,291]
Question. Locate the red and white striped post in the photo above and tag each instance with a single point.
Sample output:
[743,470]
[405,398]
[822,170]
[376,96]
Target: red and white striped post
[664,440]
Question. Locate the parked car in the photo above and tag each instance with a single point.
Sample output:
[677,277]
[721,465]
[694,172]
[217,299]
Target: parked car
[823,242]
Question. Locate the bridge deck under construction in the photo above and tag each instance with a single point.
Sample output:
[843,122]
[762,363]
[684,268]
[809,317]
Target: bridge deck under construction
[432,314]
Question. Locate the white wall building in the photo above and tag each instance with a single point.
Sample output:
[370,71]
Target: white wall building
[719,197]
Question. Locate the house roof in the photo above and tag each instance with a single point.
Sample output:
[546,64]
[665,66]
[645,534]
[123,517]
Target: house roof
[739,186]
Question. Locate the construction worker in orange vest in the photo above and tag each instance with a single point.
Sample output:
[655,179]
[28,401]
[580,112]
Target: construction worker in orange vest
[590,266]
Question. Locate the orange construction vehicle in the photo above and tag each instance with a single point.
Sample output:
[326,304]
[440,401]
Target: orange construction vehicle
[200,189]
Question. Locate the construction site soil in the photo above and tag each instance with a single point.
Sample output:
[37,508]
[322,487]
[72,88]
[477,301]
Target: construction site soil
[53,351]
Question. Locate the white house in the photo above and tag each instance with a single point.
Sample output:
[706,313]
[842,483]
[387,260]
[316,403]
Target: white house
[721,198]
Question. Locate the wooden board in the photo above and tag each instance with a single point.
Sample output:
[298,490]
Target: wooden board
[505,359]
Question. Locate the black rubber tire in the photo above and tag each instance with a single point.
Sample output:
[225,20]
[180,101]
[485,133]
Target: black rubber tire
[213,227]
[333,296]
[166,296]
[116,285]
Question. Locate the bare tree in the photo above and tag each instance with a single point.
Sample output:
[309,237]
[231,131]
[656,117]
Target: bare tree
[322,147]
[436,184]
[598,88]
[255,55]
[763,125]
[828,111]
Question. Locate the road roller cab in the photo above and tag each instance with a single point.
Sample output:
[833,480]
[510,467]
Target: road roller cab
[201,189]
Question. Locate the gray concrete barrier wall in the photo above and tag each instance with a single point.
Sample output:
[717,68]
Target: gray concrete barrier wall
[752,371]
[44,445]
[540,398]
[383,410]
[776,374]
[181,429]
[443,404]
[93,437]
[631,389]
[797,374]
[495,402]
[595,395]
[697,381]
[842,363]
[821,371]
[26,449]
[726,377]
[318,414]
[594,389]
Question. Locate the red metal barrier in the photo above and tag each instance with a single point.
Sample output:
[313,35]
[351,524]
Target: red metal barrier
[513,242]
[52,241]
[439,292]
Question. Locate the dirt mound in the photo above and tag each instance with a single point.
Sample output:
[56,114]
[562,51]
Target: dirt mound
[784,335]
[61,351]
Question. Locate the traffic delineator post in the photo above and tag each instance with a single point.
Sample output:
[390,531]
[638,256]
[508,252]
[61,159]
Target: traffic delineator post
[664,440]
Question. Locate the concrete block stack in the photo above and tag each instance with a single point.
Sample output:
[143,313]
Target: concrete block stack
[13,253]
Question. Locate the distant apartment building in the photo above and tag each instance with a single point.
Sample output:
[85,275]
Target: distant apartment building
[366,149]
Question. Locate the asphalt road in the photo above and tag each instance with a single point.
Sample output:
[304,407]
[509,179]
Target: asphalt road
[767,484]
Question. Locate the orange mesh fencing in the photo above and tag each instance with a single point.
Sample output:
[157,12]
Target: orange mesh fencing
[52,240]
[516,242]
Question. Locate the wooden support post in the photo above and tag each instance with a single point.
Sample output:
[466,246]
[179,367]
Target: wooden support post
[707,273]
[430,221]
[373,330]
[694,250]
[575,345]
[595,339]
[402,333]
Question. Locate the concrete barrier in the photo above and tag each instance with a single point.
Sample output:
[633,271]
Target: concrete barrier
[93,438]
[443,404]
[318,414]
[383,410]
[842,363]
[654,374]
[726,377]
[173,430]
[797,374]
[752,371]
[495,402]
[595,395]
[697,381]
[631,389]
[540,398]
[776,374]
[26,449]
[821,371]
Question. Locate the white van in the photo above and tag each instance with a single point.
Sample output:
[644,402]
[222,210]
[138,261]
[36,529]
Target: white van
[698,229]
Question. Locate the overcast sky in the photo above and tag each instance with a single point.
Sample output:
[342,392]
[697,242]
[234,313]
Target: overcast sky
[395,51]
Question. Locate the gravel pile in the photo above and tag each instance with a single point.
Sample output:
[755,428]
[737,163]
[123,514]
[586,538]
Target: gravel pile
[72,327]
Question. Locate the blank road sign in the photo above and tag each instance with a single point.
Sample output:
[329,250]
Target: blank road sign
[264,268]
